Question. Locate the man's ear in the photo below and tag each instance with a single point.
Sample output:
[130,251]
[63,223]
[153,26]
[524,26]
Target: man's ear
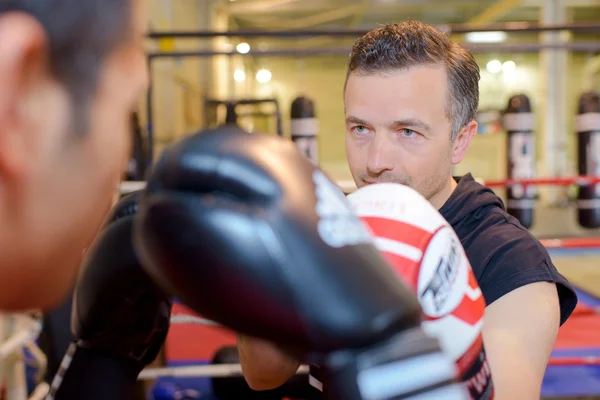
[23,63]
[462,141]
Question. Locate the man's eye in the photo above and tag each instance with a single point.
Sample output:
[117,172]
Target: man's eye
[360,129]
[409,133]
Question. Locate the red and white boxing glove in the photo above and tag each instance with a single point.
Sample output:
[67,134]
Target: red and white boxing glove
[424,249]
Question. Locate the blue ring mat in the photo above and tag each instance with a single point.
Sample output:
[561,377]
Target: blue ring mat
[574,380]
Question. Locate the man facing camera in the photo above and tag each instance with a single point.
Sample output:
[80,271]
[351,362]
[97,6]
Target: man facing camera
[410,99]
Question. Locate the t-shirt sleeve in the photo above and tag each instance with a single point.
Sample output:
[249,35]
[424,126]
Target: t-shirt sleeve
[515,259]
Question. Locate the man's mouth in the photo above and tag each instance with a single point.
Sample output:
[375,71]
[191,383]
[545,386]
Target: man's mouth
[371,182]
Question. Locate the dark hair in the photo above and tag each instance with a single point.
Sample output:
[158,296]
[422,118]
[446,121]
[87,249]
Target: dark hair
[412,43]
[81,34]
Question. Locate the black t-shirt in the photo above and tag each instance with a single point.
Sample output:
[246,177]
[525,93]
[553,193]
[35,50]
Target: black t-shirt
[503,254]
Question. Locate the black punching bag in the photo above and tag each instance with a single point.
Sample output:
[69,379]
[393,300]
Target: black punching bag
[138,163]
[231,114]
[518,121]
[587,126]
[305,127]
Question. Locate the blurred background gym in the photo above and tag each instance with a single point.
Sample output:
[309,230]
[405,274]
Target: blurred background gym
[252,62]
[299,48]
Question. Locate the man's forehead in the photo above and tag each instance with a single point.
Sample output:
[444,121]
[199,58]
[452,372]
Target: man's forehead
[427,71]
[423,87]
[401,103]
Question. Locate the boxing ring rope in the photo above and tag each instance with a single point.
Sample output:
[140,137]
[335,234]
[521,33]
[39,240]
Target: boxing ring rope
[586,47]
[348,186]
[233,370]
[131,186]
[212,371]
[19,331]
[556,181]
[566,243]
[190,319]
[24,330]
[570,361]
[511,27]
[571,243]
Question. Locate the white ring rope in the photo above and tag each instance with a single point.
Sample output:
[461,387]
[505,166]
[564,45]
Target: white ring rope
[30,330]
[190,319]
[126,187]
[213,371]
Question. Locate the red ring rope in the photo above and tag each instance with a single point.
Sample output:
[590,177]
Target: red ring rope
[565,361]
[571,243]
[575,243]
[564,181]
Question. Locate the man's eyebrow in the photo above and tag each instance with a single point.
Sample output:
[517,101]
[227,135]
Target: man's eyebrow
[355,120]
[412,123]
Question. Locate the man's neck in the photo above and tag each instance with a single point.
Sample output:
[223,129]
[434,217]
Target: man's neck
[439,199]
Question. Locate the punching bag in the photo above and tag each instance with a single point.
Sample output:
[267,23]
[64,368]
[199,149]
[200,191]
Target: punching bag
[305,127]
[587,126]
[231,114]
[518,122]
[138,163]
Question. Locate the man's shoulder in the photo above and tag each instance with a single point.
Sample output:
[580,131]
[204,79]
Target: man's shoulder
[504,256]
[496,235]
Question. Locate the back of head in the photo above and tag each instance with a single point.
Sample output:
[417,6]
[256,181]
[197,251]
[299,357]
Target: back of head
[412,44]
[80,34]
[55,58]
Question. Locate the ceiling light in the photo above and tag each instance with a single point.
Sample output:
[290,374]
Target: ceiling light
[243,48]
[508,66]
[239,75]
[486,37]
[494,66]
[263,76]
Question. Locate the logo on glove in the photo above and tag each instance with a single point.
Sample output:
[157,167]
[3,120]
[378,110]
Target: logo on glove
[441,285]
[338,225]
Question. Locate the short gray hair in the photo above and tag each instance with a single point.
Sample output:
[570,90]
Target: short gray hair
[412,43]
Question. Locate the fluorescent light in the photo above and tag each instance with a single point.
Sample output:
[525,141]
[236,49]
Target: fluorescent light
[494,66]
[486,37]
[239,75]
[508,66]
[243,48]
[263,76]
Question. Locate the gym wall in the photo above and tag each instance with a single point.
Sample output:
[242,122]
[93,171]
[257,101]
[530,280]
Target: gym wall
[181,86]
[322,79]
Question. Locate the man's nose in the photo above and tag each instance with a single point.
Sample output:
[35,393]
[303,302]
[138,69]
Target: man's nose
[380,156]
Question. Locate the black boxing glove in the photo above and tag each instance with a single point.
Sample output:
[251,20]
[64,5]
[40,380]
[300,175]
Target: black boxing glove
[120,318]
[246,231]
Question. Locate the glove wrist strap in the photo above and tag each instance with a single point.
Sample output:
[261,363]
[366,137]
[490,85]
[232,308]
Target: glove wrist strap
[92,375]
[405,365]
